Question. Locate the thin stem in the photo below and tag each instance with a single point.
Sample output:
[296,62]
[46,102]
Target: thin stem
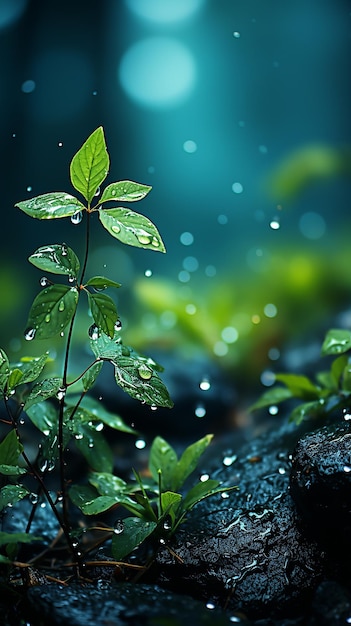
[60,444]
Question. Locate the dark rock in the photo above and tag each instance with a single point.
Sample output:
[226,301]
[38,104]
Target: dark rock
[248,552]
[121,605]
[321,484]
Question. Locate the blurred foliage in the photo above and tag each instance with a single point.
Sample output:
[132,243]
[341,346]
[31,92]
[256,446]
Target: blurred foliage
[305,166]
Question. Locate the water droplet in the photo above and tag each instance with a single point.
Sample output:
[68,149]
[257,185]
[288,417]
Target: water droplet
[273,410]
[167,524]
[187,239]
[94,332]
[144,239]
[43,465]
[29,188]
[210,605]
[118,527]
[155,242]
[78,436]
[228,460]
[140,444]
[33,498]
[237,188]
[118,325]
[30,334]
[116,229]
[61,393]
[61,306]
[205,384]
[21,421]
[281,471]
[275,224]
[236,34]
[224,495]
[47,317]
[44,282]
[148,273]
[204,477]
[200,411]
[64,249]
[60,144]
[347,469]
[144,372]
[77,217]
[99,427]
[97,192]
[153,407]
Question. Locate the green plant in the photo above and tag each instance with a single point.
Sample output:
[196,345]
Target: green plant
[59,405]
[330,391]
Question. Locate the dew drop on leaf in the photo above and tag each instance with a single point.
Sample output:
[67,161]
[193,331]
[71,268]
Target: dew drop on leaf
[77,217]
[144,372]
[94,332]
[30,334]
[61,306]
[61,393]
[116,229]
[47,317]
[118,527]
[97,192]
[144,239]
[44,282]
[118,325]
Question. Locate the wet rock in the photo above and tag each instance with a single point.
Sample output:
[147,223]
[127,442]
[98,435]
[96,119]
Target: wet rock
[321,484]
[121,605]
[248,551]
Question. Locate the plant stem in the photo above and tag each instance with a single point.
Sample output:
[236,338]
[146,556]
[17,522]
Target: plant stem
[60,434]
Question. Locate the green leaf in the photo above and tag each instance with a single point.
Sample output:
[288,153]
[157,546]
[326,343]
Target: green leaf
[299,385]
[141,382]
[170,502]
[93,446]
[163,458]
[272,396]
[336,341]
[47,388]
[51,205]
[57,259]
[307,410]
[6,538]
[92,410]
[4,370]
[199,492]
[101,282]
[52,310]
[189,461]
[10,449]
[107,484]
[104,312]
[14,379]
[11,470]
[10,494]
[135,531]
[131,228]
[89,503]
[337,369]
[89,166]
[125,191]
[44,416]
[91,375]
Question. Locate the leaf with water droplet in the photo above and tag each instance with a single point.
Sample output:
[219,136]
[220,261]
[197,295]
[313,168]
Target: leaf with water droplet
[108,484]
[49,302]
[51,205]
[91,410]
[337,341]
[203,490]
[4,369]
[11,470]
[150,390]
[93,446]
[163,458]
[57,259]
[14,379]
[10,494]
[299,385]
[101,282]
[28,370]
[131,228]
[104,312]
[125,191]
[44,416]
[43,390]
[136,530]
[89,166]
[307,410]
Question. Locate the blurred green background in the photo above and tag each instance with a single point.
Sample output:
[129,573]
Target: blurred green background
[237,112]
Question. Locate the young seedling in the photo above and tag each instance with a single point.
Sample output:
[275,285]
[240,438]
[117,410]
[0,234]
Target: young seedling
[60,407]
[331,391]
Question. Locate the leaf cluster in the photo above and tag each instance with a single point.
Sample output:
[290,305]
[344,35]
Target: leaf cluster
[331,389]
[157,505]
